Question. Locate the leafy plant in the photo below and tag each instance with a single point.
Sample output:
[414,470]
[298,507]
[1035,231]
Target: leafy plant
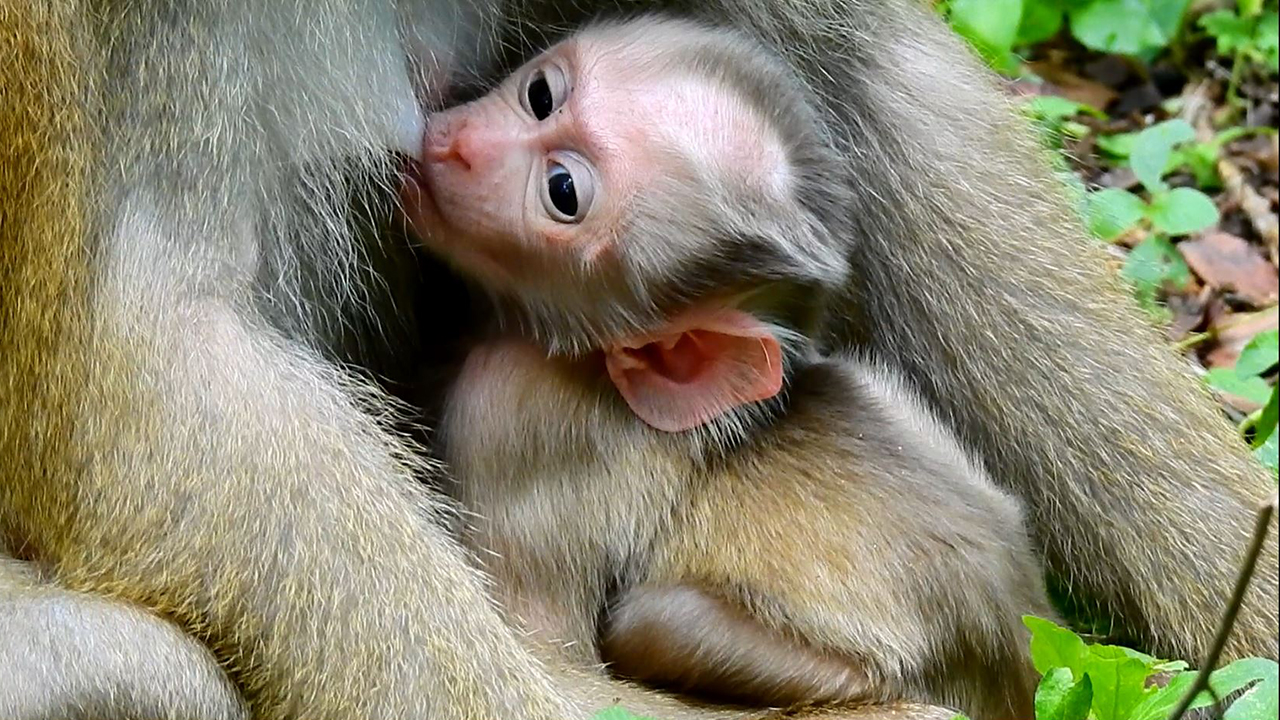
[1266,441]
[1244,380]
[1127,27]
[1130,27]
[1168,212]
[990,26]
[1086,681]
[1201,158]
[1248,34]
[617,712]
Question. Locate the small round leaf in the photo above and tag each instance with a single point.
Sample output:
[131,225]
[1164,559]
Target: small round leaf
[990,25]
[1153,147]
[1112,211]
[1117,26]
[1182,211]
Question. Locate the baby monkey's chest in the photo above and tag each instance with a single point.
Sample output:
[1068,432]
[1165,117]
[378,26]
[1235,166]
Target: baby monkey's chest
[564,489]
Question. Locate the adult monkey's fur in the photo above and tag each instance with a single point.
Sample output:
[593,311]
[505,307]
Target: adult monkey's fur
[178,279]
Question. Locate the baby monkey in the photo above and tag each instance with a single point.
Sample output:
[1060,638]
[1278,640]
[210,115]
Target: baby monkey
[665,474]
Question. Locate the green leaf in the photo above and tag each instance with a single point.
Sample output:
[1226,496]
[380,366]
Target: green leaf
[1076,130]
[616,712]
[1251,388]
[1264,430]
[1112,211]
[1119,682]
[1060,697]
[1150,661]
[1267,40]
[1260,355]
[1262,699]
[1167,15]
[989,25]
[1053,646]
[1040,21]
[1154,264]
[1249,8]
[1231,31]
[1159,703]
[1202,160]
[1224,681]
[1149,156]
[1269,453]
[1182,211]
[1052,107]
[1235,133]
[1169,666]
[1118,26]
[1118,146]
[1241,673]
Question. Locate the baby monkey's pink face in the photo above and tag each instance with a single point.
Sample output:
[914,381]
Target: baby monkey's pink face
[609,173]
[533,183]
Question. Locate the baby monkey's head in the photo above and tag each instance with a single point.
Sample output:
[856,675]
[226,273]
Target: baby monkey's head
[654,189]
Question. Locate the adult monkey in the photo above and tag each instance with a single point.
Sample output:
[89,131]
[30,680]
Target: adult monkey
[175,434]
[179,275]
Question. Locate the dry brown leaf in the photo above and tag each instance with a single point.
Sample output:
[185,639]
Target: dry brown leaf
[1189,310]
[1230,263]
[1071,86]
[1232,332]
[1256,207]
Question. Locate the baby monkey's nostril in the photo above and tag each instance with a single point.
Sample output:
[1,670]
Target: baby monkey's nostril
[442,143]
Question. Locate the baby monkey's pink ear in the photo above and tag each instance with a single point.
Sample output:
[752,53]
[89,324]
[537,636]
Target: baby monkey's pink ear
[702,365]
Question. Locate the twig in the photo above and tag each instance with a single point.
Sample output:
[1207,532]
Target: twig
[1254,206]
[1193,340]
[1260,528]
[1249,422]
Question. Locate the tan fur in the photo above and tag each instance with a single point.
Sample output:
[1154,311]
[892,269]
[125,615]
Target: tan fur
[682,637]
[852,538]
[972,275]
[178,278]
[161,445]
[170,437]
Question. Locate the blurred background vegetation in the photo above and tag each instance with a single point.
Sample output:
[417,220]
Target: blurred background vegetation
[1165,113]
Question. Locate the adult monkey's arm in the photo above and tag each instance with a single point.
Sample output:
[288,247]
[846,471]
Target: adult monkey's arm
[972,273]
[170,434]
[159,442]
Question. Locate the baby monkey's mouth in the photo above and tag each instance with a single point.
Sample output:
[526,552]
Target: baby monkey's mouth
[415,195]
[421,212]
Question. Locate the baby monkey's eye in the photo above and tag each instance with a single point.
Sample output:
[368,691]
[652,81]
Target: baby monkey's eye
[545,92]
[539,95]
[560,189]
[568,189]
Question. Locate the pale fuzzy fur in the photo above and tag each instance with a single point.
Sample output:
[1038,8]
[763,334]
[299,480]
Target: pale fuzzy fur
[852,523]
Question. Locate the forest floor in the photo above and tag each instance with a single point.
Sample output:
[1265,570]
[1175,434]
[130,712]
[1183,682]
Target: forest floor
[1214,289]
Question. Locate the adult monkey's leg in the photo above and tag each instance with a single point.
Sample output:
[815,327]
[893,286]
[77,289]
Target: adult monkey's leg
[169,434]
[973,274]
[71,655]
[63,654]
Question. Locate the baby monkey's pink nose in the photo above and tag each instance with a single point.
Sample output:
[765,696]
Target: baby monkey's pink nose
[459,140]
[442,142]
